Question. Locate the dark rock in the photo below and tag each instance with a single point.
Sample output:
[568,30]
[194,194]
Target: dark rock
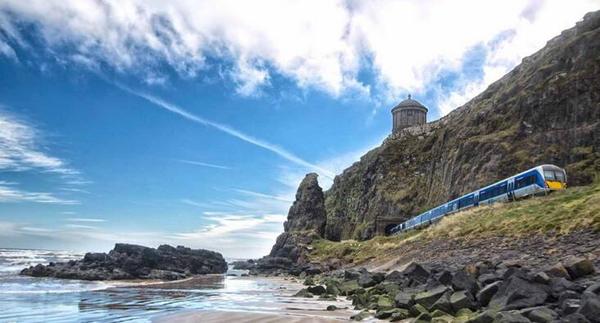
[558,271]
[316,290]
[404,300]
[560,285]
[574,318]
[488,278]
[541,278]
[580,267]
[594,289]
[443,303]
[399,314]
[351,274]
[416,272]
[484,317]
[517,293]
[428,298]
[486,293]
[510,317]
[360,316]
[332,308]
[445,277]
[462,299]
[570,305]
[541,314]
[461,280]
[590,308]
[303,293]
[385,313]
[127,261]
[367,279]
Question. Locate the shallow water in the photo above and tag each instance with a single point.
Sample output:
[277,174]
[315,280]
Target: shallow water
[27,299]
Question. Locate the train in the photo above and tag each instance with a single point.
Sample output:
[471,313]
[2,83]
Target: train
[541,179]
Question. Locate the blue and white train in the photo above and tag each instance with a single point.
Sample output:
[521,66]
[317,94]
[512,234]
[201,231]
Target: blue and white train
[538,180]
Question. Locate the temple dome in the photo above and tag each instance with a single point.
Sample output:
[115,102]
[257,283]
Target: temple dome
[409,103]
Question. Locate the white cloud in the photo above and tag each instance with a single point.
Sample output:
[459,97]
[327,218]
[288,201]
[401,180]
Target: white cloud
[11,194]
[21,148]
[316,44]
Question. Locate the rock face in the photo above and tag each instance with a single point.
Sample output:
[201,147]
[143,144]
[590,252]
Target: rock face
[128,261]
[305,223]
[547,110]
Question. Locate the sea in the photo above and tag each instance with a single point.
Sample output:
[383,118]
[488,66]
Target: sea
[29,299]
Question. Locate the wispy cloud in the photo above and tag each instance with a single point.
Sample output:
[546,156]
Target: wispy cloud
[198,163]
[263,195]
[281,152]
[11,194]
[21,148]
[96,220]
[80,226]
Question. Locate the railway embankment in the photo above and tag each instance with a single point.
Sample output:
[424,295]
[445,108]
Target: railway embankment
[538,231]
[533,260]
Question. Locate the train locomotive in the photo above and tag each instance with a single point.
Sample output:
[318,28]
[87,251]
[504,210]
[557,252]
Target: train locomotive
[541,179]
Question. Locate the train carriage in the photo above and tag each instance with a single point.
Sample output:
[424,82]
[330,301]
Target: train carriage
[542,179]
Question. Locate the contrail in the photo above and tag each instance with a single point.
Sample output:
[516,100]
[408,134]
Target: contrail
[230,131]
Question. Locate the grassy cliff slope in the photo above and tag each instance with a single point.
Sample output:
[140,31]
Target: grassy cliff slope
[544,228]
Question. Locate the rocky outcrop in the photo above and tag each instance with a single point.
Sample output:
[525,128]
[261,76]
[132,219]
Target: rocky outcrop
[432,293]
[128,261]
[547,110]
[305,223]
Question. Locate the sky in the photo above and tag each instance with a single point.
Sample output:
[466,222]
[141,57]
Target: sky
[193,122]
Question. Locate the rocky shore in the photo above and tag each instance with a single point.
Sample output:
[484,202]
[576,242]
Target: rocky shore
[483,292]
[127,261]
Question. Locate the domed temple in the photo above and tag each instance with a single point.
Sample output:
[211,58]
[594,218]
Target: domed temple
[408,113]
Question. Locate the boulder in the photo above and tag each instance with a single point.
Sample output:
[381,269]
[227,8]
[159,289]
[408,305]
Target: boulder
[570,306]
[416,272]
[462,299]
[399,314]
[484,317]
[461,280]
[511,317]
[486,293]
[590,308]
[316,290]
[579,267]
[428,298]
[517,293]
[404,300]
[593,288]
[559,271]
[367,279]
[541,315]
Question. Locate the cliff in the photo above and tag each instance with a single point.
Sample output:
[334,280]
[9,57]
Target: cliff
[546,110]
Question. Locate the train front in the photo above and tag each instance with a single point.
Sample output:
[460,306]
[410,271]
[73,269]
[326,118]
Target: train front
[554,177]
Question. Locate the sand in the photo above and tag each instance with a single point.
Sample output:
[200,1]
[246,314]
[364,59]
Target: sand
[281,307]
[239,317]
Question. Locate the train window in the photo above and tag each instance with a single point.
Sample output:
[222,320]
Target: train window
[560,176]
[465,201]
[549,175]
[525,181]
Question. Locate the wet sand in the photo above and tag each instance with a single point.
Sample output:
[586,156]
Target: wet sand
[282,308]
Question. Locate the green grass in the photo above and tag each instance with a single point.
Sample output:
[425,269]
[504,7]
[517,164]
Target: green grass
[560,212]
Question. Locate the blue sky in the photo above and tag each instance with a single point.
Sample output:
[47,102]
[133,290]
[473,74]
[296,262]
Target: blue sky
[193,123]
